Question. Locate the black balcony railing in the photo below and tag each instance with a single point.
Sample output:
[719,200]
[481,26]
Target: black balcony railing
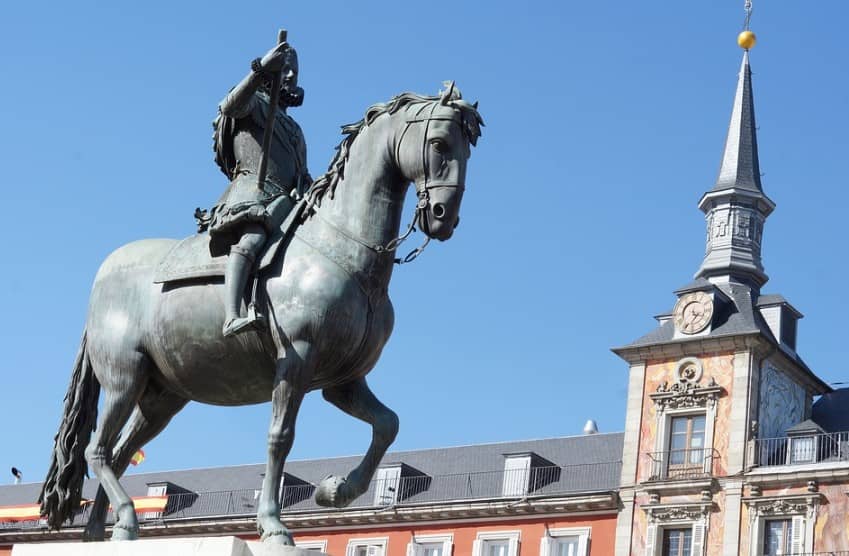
[802,450]
[673,465]
[401,491]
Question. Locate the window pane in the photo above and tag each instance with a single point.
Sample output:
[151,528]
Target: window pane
[677,542]
[698,423]
[777,537]
[497,548]
[432,549]
[679,424]
[566,546]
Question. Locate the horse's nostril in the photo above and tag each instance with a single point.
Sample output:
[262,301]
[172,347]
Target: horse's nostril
[439,210]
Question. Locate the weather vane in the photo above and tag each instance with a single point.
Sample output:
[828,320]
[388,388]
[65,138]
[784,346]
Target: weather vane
[746,39]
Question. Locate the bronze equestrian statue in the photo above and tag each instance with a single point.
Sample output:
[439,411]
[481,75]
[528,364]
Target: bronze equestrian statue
[153,344]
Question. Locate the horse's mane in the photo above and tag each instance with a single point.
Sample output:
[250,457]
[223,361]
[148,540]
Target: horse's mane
[471,122]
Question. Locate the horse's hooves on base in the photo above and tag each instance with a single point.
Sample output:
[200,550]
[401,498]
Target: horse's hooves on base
[283,538]
[124,534]
[94,536]
[328,493]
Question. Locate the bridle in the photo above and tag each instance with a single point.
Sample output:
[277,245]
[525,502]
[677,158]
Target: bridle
[422,194]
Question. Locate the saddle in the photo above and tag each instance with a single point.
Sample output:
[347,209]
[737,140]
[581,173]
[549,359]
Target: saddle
[190,259]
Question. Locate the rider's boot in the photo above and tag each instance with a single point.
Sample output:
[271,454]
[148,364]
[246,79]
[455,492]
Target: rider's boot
[236,275]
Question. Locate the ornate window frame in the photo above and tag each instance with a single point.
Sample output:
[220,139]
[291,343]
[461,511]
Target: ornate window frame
[685,397]
[801,509]
[668,516]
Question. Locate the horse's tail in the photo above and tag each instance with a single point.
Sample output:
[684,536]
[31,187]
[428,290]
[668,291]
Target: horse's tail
[62,490]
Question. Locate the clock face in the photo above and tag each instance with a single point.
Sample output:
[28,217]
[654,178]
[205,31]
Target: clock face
[693,312]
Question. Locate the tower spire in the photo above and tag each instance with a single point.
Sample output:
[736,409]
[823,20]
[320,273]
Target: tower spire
[739,167]
[736,207]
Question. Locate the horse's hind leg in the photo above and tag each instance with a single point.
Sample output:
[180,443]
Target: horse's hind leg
[122,384]
[356,399]
[153,412]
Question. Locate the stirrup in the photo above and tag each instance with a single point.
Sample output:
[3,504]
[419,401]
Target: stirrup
[239,324]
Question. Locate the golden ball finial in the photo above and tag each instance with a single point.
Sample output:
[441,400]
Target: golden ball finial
[746,39]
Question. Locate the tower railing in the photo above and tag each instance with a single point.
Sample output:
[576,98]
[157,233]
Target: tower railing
[802,449]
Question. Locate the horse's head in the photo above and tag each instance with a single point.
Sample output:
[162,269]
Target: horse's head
[432,150]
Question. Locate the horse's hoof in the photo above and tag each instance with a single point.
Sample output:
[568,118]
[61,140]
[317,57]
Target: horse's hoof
[123,533]
[331,492]
[94,534]
[283,538]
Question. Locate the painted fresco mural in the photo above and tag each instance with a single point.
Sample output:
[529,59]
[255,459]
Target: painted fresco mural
[782,403]
[719,368]
[831,532]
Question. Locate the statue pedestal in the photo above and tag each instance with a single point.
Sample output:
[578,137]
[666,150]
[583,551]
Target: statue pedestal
[196,546]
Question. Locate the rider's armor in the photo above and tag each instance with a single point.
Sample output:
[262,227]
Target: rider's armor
[238,150]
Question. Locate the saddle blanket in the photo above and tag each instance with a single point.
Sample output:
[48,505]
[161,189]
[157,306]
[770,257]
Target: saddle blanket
[190,258]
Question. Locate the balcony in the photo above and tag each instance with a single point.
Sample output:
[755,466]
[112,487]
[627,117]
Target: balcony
[414,492]
[680,465]
[805,449]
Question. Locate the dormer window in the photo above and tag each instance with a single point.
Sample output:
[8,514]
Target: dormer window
[387,485]
[782,319]
[525,472]
[396,482]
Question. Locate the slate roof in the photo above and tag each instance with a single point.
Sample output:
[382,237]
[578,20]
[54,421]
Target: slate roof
[740,168]
[831,411]
[587,463]
[744,319]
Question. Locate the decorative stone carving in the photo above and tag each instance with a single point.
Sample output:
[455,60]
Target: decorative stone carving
[784,506]
[685,395]
[678,512]
[689,369]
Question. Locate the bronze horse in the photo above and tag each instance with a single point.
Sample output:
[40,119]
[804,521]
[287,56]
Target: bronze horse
[153,347]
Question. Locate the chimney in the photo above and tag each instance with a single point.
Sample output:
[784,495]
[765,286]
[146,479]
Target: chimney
[590,427]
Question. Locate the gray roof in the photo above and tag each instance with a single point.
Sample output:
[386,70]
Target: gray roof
[740,168]
[831,411]
[743,319]
[587,463]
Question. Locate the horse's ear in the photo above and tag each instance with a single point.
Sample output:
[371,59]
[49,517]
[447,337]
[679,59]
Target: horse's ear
[475,105]
[446,95]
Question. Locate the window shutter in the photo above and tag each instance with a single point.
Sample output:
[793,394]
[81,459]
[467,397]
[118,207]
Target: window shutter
[582,545]
[513,547]
[651,537]
[447,546]
[698,548]
[546,546]
[477,547]
[797,535]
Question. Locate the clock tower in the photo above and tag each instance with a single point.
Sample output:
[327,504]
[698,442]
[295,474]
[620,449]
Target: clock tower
[717,390]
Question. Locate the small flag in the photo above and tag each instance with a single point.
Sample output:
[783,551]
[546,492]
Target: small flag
[138,457]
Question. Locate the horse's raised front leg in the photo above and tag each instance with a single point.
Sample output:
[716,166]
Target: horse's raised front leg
[153,412]
[292,378]
[356,399]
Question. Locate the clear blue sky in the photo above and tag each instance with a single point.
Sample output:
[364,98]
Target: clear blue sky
[605,124]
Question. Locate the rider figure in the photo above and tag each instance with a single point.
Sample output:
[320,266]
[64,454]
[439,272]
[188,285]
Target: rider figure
[242,219]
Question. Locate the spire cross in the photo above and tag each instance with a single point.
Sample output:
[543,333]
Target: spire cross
[748,8]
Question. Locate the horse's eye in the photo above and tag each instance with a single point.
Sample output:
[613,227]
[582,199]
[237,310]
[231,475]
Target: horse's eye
[439,146]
